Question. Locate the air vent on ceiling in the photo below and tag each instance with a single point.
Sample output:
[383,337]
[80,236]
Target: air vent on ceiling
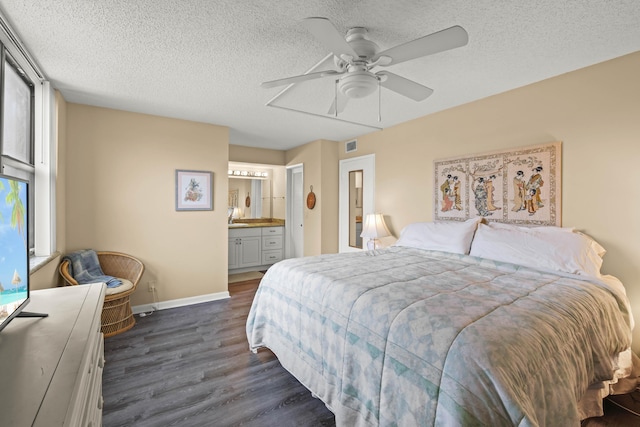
[351,146]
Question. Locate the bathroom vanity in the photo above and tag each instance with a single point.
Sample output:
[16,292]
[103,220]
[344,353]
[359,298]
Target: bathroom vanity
[255,244]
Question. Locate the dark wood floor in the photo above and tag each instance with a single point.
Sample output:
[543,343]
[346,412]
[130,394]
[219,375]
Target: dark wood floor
[615,414]
[191,366]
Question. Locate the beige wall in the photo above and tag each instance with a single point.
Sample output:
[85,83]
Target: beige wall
[330,189]
[320,164]
[595,112]
[242,154]
[120,196]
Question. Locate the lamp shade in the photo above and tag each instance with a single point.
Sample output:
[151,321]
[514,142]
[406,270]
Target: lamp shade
[358,183]
[374,227]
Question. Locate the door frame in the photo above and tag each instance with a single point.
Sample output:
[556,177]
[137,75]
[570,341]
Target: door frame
[290,207]
[367,164]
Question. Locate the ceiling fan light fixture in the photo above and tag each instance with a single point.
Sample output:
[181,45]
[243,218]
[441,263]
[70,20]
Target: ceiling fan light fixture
[358,84]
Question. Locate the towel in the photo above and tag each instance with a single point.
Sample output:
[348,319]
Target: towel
[84,266]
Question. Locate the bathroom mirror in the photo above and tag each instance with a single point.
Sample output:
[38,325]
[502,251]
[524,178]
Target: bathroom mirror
[355,208]
[251,197]
[259,197]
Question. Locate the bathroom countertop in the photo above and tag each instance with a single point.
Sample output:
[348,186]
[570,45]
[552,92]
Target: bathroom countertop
[257,222]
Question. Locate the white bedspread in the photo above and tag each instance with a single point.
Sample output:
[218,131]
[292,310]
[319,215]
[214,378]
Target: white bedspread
[411,337]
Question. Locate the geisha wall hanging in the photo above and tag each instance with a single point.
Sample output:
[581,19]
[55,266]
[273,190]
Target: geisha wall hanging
[517,186]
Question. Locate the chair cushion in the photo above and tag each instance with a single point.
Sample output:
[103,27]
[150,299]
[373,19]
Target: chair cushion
[125,286]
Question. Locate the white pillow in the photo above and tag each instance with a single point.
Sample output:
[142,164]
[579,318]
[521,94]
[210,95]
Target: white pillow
[595,246]
[550,229]
[542,228]
[562,251]
[445,236]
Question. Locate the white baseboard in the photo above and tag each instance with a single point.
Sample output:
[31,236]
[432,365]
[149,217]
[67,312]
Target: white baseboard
[163,305]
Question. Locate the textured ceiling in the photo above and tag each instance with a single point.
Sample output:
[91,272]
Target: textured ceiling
[204,60]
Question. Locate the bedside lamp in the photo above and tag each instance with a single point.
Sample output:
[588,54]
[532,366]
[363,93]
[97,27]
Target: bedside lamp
[374,228]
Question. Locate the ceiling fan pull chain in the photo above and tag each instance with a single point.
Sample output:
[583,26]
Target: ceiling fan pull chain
[335,99]
[379,101]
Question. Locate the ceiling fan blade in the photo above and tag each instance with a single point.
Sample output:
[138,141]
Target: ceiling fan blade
[323,30]
[300,78]
[440,41]
[404,87]
[342,103]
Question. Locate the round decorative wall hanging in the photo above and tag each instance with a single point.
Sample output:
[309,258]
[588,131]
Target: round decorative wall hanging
[311,198]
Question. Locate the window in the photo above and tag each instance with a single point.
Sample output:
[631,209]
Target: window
[16,121]
[27,137]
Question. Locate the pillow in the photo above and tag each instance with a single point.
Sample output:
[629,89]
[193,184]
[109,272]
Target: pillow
[595,246]
[561,251]
[544,229]
[445,236]
[551,229]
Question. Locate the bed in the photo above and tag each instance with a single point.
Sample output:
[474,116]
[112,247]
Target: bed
[459,323]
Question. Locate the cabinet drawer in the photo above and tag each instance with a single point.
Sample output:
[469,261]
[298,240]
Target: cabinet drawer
[271,257]
[93,406]
[271,242]
[244,232]
[272,231]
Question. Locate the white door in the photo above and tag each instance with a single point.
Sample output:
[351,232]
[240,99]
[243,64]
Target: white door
[366,164]
[294,226]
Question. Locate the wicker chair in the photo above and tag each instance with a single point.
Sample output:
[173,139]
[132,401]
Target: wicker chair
[117,316]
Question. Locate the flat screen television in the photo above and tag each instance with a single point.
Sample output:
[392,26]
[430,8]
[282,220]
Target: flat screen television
[14,249]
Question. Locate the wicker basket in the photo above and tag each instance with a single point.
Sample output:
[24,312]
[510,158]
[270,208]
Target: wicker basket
[117,316]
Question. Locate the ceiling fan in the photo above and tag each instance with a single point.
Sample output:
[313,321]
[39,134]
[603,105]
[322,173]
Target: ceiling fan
[355,56]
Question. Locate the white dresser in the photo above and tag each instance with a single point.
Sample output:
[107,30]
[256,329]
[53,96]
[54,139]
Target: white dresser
[51,367]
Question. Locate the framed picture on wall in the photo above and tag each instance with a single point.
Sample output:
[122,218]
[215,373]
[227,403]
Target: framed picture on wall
[194,190]
[516,186]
